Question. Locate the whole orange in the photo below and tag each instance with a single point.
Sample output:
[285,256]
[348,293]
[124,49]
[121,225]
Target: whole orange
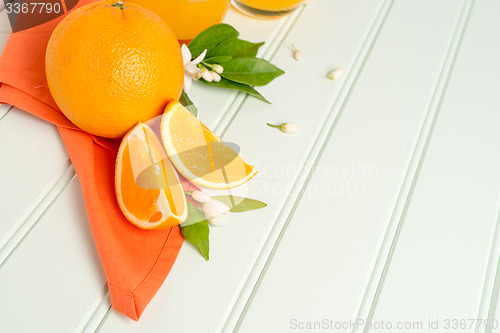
[112,64]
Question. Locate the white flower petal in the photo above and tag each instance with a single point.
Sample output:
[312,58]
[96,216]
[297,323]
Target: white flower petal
[335,74]
[205,74]
[214,220]
[290,128]
[221,207]
[190,68]
[215,76]
[201,197]
[186,54]
[219,69]
[209,210]
[199,58]
[187,83]
[297,55]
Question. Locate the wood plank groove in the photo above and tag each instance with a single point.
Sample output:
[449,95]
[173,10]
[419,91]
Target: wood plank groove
[491,290]
[445,257]
[54,277]
[34,162]
[5,29]
[4,108]
[93,322]
[321,266]
[267,51]
[32,216]
[390,238]
[311,161]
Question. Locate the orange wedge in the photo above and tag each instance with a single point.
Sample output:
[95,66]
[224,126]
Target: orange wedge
[199,154]
[147,186]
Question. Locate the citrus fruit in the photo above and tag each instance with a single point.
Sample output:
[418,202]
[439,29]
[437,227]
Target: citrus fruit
[112,64]
[147,186]
[199,154]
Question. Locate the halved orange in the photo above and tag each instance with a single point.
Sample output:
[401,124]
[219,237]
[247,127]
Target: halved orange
[199,154]
[147,186]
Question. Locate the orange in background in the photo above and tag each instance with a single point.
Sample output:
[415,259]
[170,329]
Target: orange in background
[272,5]
[188,17]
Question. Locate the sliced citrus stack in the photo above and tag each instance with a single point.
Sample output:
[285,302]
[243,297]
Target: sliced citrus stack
[147,186]
[199,154]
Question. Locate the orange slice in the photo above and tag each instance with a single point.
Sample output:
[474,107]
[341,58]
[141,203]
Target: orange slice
[147,186]
[199,154]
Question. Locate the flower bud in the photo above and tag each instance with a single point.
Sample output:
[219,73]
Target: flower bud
[221,207]
[335,74]
[209,210]
[213,220]
[290,128]
[218,69]
[201,197]
[205,74]
[215,76]
[297,55]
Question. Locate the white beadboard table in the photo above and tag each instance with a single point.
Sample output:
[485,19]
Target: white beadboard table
[383,209]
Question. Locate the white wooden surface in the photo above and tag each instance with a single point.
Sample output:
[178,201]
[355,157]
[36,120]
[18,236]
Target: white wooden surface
[384,207]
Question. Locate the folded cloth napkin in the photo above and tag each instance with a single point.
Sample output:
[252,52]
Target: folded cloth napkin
[135,261]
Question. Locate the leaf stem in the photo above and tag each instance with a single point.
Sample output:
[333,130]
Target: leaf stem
[275,126]
[206,64]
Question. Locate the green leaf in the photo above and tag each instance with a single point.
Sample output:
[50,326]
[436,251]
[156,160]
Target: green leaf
[251,71]
[240,204]
[236,48]
[211,37]
[188,104]
[223,83]
[195,230]
[217,60]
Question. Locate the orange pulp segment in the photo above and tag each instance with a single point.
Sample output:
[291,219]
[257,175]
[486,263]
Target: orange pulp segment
[199,154]
[147,186]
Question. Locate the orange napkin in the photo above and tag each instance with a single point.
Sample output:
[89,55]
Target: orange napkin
[135,261]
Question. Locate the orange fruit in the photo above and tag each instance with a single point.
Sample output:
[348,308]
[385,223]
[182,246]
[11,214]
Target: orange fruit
[199,154]
[147,186]
[110,66]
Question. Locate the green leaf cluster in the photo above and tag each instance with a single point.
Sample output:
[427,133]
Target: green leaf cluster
[242,69]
